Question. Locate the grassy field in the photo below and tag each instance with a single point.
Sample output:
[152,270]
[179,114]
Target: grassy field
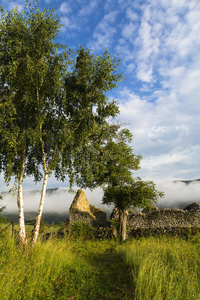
[69,268]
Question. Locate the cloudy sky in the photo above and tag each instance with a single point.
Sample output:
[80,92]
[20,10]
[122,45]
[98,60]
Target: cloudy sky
[158,43]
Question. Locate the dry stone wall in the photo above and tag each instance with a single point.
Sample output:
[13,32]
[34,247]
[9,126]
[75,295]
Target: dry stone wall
[162,220]
[151,221]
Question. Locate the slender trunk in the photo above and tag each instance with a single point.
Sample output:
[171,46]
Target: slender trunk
[46,173]
[122,224]
[13,229]
[40,209]
[20,203]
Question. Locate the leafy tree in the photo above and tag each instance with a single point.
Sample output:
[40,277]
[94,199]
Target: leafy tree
[116,173]
[112,163]
[30,69]
[112,159]
[76,115]
[51,104]
[138,194]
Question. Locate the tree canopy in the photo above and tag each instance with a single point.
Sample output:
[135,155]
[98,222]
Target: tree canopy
[122,189]
[52,103]
[138,194]
[55,115]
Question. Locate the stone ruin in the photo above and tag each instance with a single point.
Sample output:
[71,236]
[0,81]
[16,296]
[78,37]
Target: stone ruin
[155,220]
[81,210]
[152,220]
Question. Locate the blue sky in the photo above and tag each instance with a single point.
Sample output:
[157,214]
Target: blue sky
[158,43]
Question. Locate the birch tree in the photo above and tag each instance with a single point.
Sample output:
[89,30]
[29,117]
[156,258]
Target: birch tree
[48,111]
[16,122]
[75,116]
[30,71]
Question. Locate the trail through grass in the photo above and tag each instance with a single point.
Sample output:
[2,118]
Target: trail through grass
[144,269]
[60,269]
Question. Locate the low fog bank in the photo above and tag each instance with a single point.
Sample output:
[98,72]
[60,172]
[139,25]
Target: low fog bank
[178,194]
[57,200]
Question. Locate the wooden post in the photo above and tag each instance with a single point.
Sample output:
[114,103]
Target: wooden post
[13,229]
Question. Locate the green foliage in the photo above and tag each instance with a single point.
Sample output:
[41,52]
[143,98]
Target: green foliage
[139,194]
[51,105]
[28,62]
[122,190]
[109,160]
[81,230]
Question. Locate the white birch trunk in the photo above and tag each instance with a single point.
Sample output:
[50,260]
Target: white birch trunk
[40,210]
[20,203]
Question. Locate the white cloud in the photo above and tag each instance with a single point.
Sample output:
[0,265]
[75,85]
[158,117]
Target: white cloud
[131,15]
[75,15]
[88,9]
[144,73]
[165,133]
[110,5]
[104,32]
[167,36]
[65,8]
[68,23]
[128,30]
[56,201]
[131,67]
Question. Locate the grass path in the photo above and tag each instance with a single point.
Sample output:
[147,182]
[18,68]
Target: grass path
[111,273]
[71,269]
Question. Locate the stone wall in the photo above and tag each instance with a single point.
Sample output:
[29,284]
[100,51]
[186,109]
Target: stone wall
[151,221]
[162,220]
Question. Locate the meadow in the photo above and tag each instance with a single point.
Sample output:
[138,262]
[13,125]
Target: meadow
[78,266]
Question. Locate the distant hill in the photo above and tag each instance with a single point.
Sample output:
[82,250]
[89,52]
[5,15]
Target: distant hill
[188,181]
[47,217]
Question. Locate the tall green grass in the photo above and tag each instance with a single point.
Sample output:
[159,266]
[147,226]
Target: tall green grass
[61,269]
[151,268]
[50,271]
[164,268]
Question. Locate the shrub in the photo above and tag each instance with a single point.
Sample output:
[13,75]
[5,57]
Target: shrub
[81,230]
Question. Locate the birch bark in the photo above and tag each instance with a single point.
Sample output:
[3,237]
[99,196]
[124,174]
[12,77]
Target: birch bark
[20,202]
[40,210]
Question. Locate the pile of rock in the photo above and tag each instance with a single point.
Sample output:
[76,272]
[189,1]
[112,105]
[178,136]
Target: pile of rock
[81,210]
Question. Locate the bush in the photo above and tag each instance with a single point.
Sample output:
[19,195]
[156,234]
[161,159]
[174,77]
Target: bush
[81,230]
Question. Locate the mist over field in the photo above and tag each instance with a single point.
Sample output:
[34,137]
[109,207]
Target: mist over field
[178,194]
